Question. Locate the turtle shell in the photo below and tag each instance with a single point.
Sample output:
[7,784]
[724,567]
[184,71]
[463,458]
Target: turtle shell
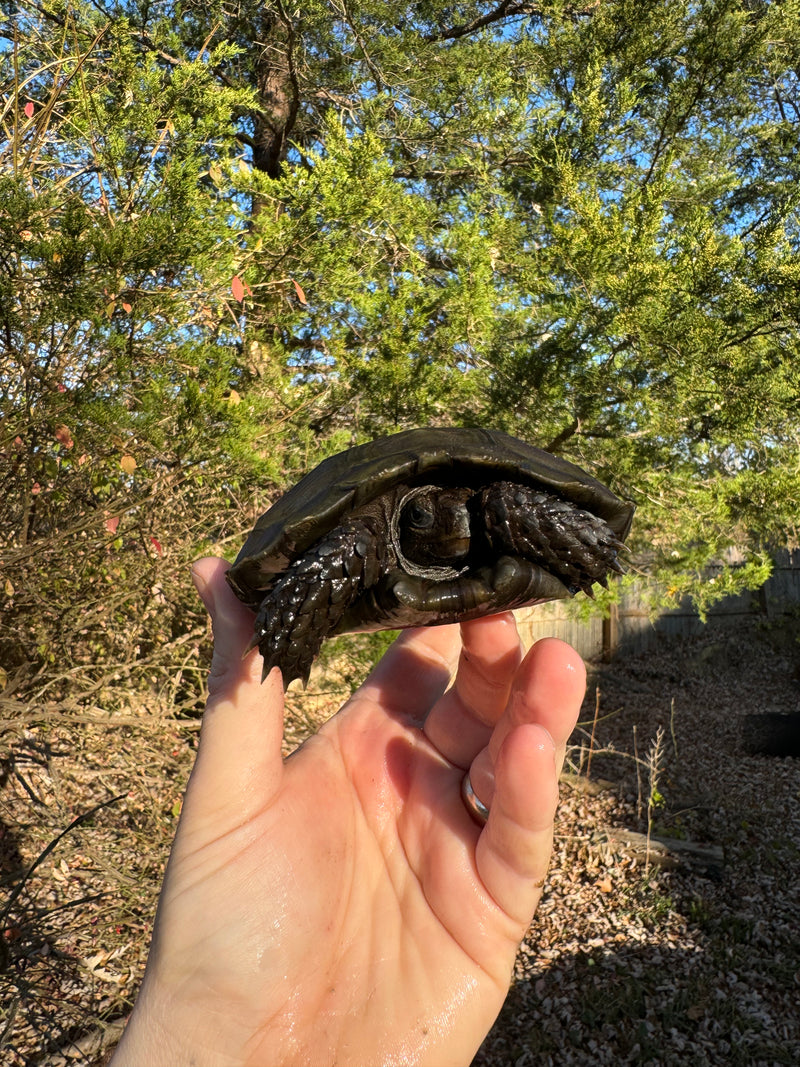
[441,455]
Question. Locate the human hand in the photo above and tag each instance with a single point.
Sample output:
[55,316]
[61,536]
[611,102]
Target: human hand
[342,906]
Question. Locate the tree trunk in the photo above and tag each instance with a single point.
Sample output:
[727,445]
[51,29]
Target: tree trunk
[277,91]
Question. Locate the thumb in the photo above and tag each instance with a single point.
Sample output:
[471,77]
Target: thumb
[239,764]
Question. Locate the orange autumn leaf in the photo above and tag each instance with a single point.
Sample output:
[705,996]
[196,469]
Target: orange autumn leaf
[301,296]
[237,288]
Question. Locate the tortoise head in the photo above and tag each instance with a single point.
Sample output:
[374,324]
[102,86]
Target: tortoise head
[430,531]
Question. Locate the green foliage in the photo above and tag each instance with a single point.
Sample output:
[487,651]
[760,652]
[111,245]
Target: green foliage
[120,347]
[237,239]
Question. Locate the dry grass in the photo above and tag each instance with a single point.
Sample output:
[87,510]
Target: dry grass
[629,961]
[88,808]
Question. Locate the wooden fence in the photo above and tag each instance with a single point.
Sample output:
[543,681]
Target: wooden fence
[633,627]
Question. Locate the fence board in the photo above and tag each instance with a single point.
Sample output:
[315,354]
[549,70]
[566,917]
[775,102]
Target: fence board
[551,620]
[633,628]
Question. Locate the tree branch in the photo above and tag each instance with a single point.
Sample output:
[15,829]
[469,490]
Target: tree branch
[506,9]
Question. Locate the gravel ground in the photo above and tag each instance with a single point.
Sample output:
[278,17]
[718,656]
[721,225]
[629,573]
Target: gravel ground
[693,959]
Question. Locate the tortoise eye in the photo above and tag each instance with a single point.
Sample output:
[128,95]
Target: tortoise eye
[420,516]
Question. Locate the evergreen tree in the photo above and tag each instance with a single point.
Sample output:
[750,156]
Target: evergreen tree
[238,236]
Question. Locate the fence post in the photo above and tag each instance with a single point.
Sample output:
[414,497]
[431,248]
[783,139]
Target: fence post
[611,633]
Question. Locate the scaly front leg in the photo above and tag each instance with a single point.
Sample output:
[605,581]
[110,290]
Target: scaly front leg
[306,603]
[574,545]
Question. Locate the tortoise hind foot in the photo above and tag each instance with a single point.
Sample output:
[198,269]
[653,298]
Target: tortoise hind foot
[578,547]
[306,603]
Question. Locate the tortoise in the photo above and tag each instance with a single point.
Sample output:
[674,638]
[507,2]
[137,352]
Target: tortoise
[424,527]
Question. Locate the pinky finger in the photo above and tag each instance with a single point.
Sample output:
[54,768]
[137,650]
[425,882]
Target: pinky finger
[513,851]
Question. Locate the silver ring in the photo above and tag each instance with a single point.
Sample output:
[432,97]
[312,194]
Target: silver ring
[473,803]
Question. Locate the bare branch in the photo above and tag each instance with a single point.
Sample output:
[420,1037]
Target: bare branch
[504,10]
[507,9]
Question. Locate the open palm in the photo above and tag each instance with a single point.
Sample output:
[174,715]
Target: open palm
[342,906]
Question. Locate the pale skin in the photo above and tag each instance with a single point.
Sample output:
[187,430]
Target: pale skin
[342,906]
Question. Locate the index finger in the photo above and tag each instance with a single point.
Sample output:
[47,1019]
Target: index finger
[461,723]
[414,672]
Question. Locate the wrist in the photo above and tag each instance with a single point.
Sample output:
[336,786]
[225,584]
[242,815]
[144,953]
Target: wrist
[170,1034]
